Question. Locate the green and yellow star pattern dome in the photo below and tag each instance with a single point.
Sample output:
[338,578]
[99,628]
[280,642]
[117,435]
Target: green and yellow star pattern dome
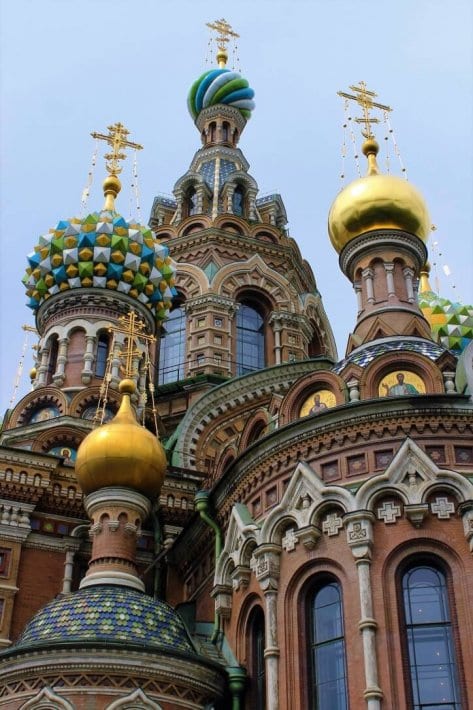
[103,250]
[451,323]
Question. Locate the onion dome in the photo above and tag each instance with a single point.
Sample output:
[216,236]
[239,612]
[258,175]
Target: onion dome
[376,202]
[221,86]
[107,614]
[102,250]
[121,453]
[451,323]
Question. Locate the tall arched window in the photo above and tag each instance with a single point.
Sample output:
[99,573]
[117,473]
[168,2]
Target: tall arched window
[213,131]
[257,689]
[172,350]
[102,354]
[328,687]
[430,644]
[238,199]
[225,131]
[250,339]
[191,201]
[52,360]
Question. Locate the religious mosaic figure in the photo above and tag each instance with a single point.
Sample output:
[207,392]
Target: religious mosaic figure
[400,388]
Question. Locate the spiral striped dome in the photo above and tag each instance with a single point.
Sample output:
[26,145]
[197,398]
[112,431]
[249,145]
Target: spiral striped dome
[221,86]
[102,250]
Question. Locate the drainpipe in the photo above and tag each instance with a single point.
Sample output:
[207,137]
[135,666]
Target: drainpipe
[202,506]
[236,683]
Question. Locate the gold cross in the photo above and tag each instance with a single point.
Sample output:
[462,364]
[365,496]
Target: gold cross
[133,328]
[117,140]
[364,98]
[224,31]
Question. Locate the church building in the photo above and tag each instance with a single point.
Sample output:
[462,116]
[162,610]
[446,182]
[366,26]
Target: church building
[201,504]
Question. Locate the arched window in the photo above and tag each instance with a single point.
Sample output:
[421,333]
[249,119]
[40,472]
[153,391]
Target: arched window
[250,339]
[172,350]
[102,354]
[52,361]
[213,131]
[257,689]
[191,201]
[225,131]
[238,199]
[429,640]
[327,664]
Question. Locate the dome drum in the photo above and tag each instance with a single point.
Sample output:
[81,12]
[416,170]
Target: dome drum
[207,115]
[380,240]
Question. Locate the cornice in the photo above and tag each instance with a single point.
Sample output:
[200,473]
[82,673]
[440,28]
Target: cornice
[378,240]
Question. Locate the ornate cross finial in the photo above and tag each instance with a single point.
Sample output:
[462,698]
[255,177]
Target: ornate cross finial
[133,328]
[117,139]
[224,32]
[364,98]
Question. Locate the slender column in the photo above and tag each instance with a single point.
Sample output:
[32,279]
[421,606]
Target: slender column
[252,204]
[87,372]
[43,368]
[58,376]
[68,566]
[276,323]
[116,363]
[359,297]
[389,269]
[267,573]
[359,528]
[216,188]
[408,278]
[367,275]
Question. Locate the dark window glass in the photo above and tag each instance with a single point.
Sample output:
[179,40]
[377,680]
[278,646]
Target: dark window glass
[191,202]
[102,354]
[237,201]
[327,648]
[173,347]
[213,129]
[52,361]
[250,340]
[432,664]
[225,131]
[257,692]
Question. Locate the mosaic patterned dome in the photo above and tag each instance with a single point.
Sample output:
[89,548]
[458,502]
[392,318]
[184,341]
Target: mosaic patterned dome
[107,614]
[221,86]
[102,250]
[451,323]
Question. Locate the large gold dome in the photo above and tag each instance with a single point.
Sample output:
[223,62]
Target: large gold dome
[121,453]
[376,202]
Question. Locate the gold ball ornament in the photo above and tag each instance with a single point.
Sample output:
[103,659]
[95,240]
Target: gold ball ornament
[121,453]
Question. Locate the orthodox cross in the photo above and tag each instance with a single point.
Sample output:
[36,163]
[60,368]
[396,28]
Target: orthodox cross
[117,139]
[134,329]
[364,98]
[224,32]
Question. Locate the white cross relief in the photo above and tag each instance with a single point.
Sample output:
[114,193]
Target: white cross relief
[332,524]
[442,508]
[389,512]
[289,540]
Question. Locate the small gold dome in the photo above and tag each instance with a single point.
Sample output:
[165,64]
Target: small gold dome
[33,373]
[121,453]
[376,202]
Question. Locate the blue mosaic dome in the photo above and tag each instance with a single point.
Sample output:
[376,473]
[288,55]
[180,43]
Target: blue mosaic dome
[102,250]
[364,356]
[221,86]
[107,614]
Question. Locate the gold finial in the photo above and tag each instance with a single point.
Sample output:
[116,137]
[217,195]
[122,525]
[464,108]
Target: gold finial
[224,31]
[117,139]
[134,329]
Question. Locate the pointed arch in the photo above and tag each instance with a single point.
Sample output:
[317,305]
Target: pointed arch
[47,699]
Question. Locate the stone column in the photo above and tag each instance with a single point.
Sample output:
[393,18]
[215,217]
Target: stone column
[87,372]
[43,367]
[367,275]
[115,372]
[389,269]
[275,321]
[267,574]
[252,203]
[359,298]
[408,278]
[359,527]
[58,376]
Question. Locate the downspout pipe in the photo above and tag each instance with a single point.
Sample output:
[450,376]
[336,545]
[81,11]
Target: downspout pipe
[202,506]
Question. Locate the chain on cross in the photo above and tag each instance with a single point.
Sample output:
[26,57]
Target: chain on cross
[364,98]
[117,139]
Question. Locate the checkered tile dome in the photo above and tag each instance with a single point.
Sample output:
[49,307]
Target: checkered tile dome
[451,323]
[103,251]
[107,614]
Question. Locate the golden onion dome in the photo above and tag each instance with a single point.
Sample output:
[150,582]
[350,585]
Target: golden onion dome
[376,202]
[121,453]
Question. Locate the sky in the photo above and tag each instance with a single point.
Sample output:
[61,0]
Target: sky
[70,67]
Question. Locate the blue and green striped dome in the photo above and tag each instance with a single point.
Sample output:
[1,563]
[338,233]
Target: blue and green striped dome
[102,250]
[221,86]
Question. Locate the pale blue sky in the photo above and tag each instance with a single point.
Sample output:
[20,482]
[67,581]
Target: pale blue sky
[70,67]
